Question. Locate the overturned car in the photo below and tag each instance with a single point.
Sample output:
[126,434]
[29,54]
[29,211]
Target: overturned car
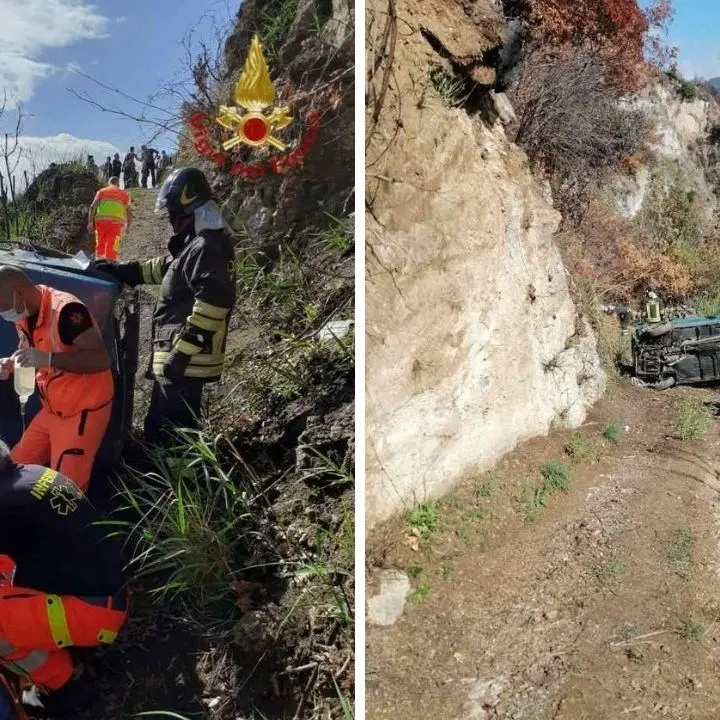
[683,351]
[116,313]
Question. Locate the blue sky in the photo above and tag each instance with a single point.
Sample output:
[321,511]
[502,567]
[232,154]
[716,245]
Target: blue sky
[696,30]
[133,45]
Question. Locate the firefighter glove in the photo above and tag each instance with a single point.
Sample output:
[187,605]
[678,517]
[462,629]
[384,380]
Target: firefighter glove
[174,368]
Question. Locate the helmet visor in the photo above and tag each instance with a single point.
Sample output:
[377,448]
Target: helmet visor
[162,198]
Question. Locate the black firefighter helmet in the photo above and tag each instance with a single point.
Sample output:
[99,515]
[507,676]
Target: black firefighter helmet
[184,191]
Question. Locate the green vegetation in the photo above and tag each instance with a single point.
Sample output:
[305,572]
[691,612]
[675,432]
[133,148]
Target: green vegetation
[691,630]
[693,419]
[450,89]
[485,490]
[422,593]
[424,518]
[276,21]
[636,654]
[555,478]
[689,91]
[612,432]
[680,552]
[581,448]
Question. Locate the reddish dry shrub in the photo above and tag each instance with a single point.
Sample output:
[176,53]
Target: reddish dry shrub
[617,30]
[606,251]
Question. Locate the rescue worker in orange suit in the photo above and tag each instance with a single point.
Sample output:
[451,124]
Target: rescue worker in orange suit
[59,338]
[110,216]
[197,293]
[62,582]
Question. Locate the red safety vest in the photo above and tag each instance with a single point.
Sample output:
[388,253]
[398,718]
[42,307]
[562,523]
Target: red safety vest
[64,393]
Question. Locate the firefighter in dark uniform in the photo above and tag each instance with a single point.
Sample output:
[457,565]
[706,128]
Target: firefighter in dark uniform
[197,293]
[62,580]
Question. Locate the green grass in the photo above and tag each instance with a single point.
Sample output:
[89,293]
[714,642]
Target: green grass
[422,593]
[484,491]
[275,24]
[424,517]
[197,519]
[555,478]
[707,305]
[450,89]
[447,572]
[680,552]
[636,655]
[414,570]
[339,235]
[612,432]
[691,630]
[581,448]
[693,420]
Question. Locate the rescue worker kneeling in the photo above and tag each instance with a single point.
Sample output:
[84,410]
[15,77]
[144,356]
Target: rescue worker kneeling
[62,582]
[60,339]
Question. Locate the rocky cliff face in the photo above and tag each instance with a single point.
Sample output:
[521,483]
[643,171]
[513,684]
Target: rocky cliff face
[473,341]
[680,150]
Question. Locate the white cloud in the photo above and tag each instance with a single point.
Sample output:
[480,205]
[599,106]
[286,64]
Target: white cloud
[29,27]
[39,152]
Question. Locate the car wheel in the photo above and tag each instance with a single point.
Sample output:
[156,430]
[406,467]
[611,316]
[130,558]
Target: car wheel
[657,330]
[664,384]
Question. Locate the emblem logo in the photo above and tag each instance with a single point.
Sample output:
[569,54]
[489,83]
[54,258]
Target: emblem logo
[184,199]
[254,92]
[255,123]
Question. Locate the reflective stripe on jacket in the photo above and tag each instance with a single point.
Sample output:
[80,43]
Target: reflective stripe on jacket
[197,293]
[112,204]
[64,393]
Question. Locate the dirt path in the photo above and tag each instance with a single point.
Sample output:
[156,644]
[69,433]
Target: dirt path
[604,606]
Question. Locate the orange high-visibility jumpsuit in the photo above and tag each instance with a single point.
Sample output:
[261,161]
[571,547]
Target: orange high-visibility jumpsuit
[67,431]
[110,221]
[51,530]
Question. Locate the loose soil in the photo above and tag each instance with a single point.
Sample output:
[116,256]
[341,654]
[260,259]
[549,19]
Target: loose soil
[603,606]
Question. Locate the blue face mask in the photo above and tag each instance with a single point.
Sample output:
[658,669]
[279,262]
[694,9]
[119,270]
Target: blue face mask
[12,315]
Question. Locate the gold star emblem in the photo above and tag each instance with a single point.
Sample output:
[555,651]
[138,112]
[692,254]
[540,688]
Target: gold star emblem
[254,91]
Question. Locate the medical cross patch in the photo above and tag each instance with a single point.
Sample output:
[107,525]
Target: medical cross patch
[76,318]
[64,499]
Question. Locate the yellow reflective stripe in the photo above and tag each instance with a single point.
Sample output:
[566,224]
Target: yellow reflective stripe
[205,323]
[193,371]
[58,621]
[187,347]
[161,356]
[211,311]
[146,273]
[152,271]
[107,637]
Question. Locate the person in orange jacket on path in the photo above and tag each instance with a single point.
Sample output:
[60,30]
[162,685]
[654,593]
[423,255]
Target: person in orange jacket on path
[59,338]
[110,215]
[62,581]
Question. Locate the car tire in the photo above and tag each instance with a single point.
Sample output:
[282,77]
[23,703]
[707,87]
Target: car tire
[657,330]
[664,384]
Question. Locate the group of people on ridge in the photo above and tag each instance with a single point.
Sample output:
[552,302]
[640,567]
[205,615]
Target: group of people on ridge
[62,578]
[153,165]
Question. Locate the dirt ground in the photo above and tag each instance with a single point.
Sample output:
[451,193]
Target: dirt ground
[602,604]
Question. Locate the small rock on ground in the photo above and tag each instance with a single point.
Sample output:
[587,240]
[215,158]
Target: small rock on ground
[387,606]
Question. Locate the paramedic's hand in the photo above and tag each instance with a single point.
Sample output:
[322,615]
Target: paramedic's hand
[174,368]
[6,368]
[32,357]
